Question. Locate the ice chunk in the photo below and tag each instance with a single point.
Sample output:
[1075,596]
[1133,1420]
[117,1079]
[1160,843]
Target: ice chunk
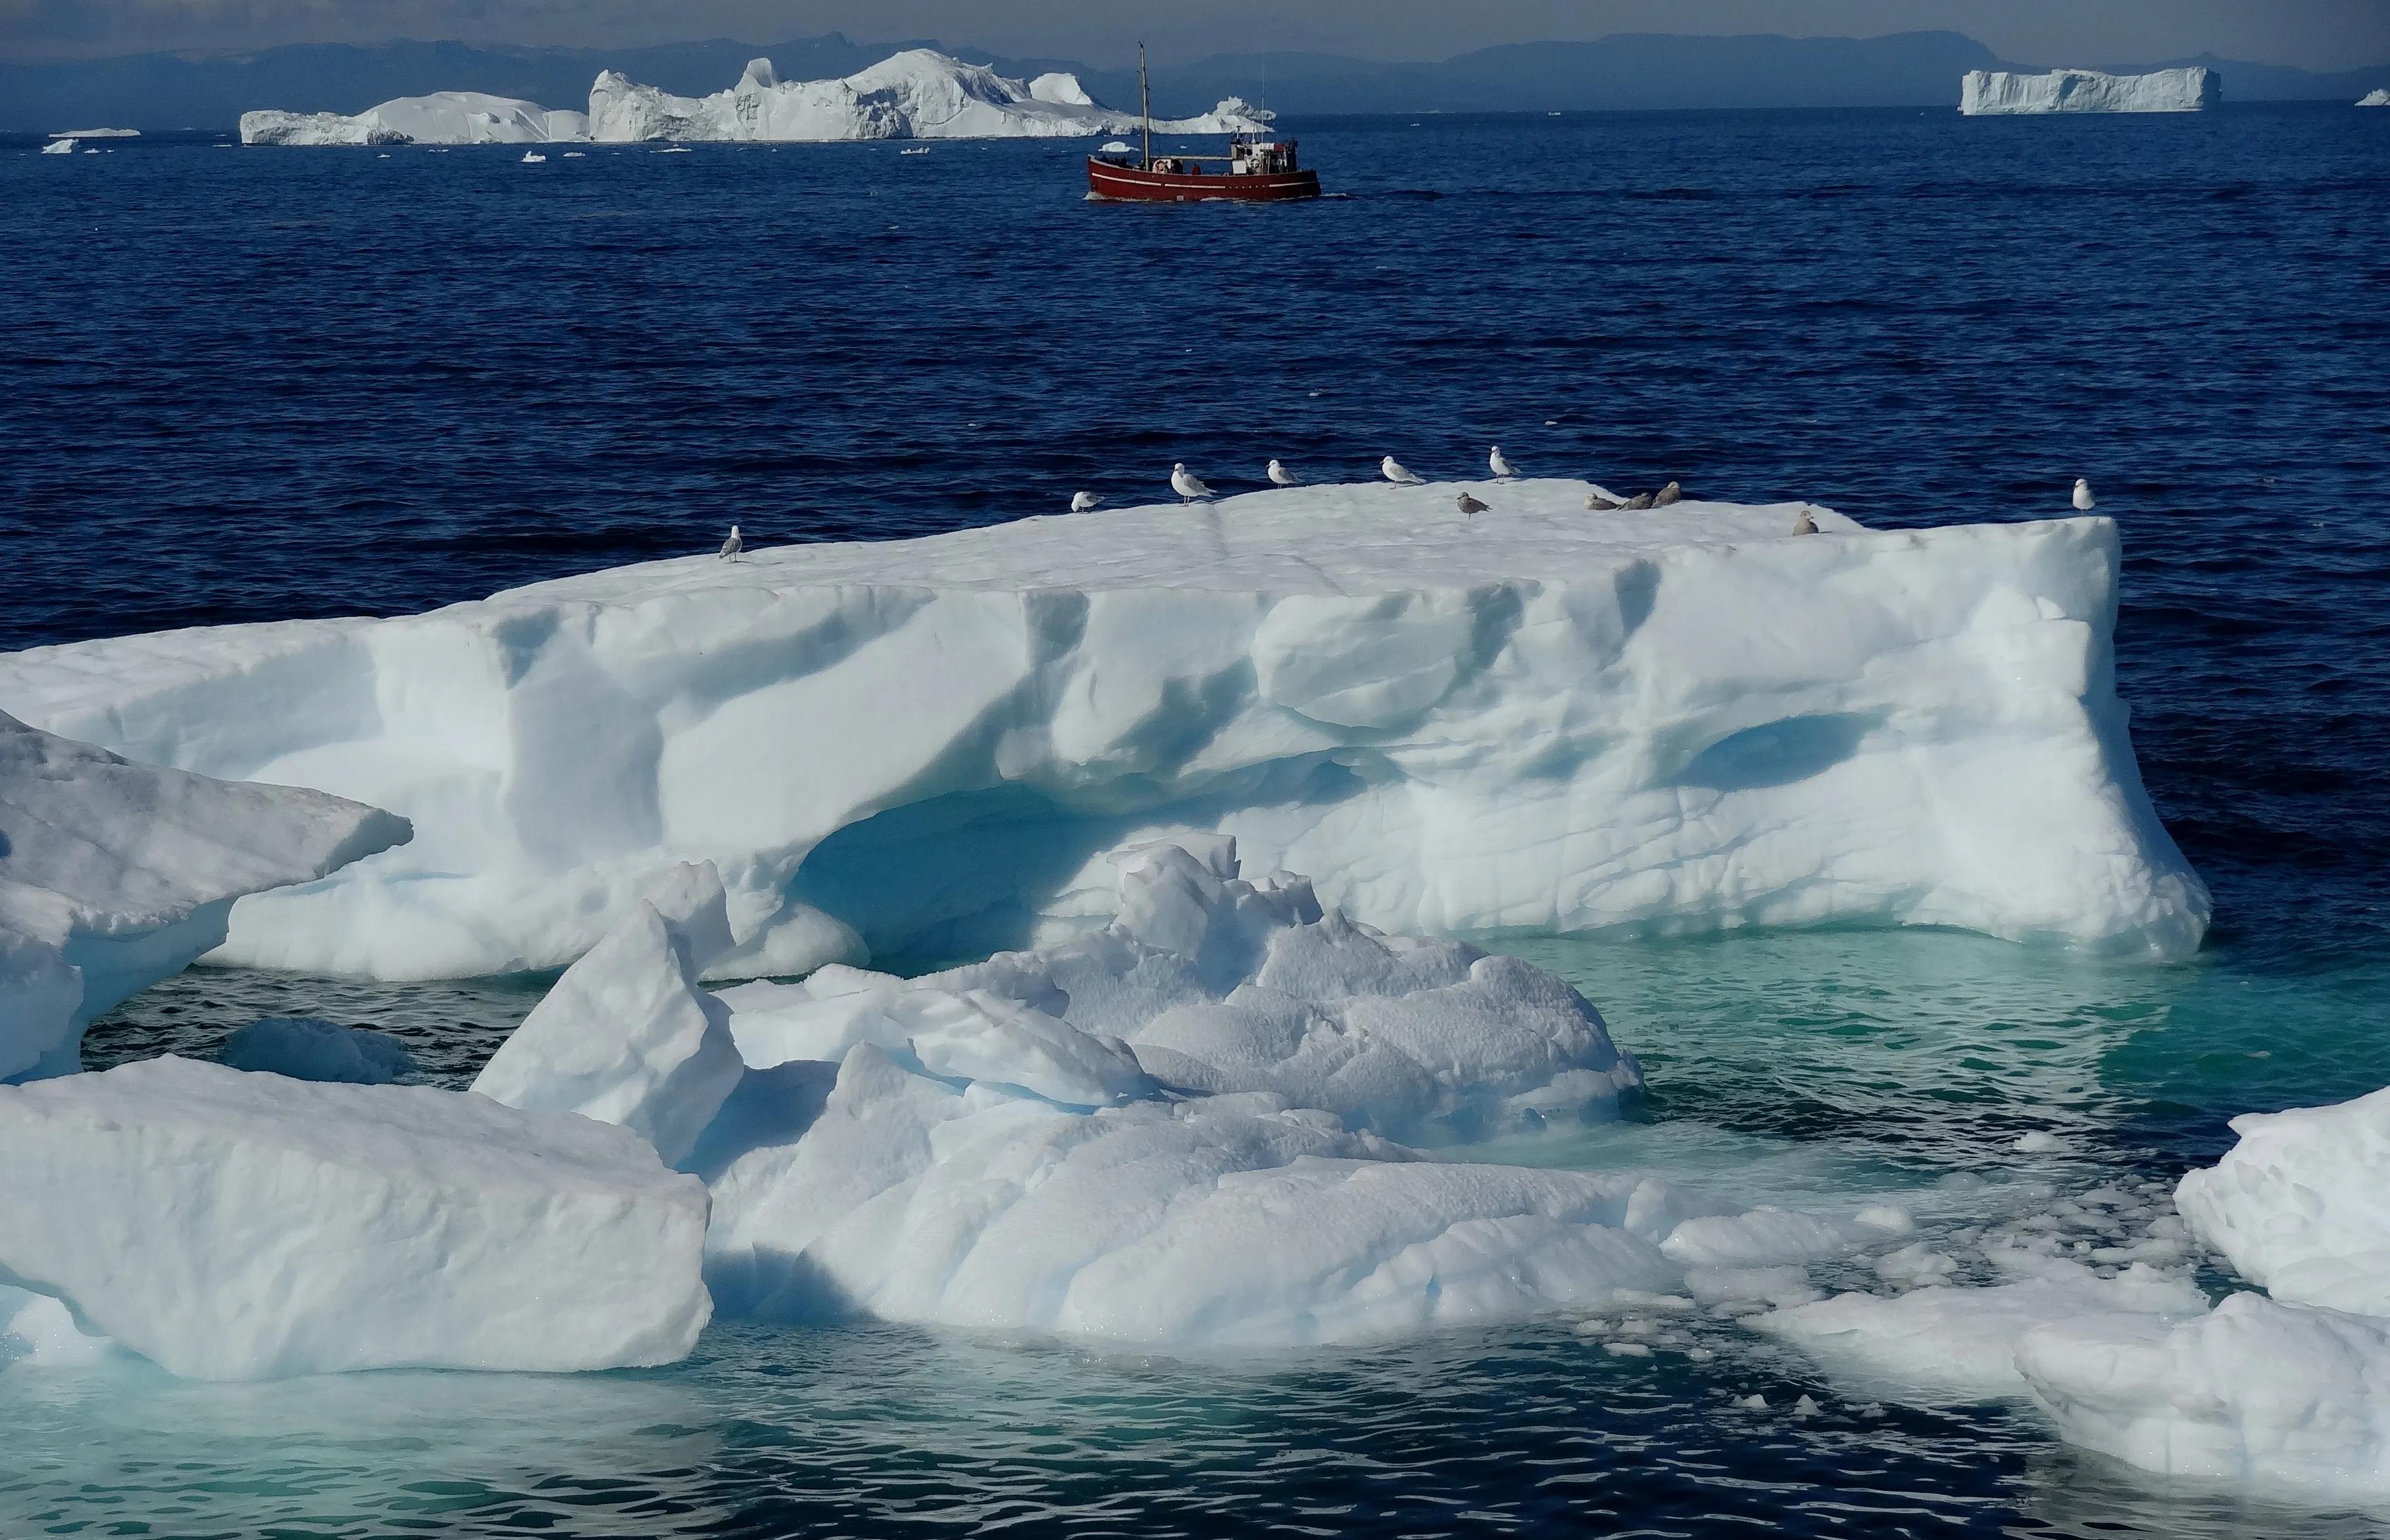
[626,1036]
[2302,1204]
[114,875]
[2380,97]
[1223,1222]
[441,118]
[243,1226]
[2254,1390]
[1952,1343]
[1645,725]
[36,1329]
[918,94]
[1767,1236]
[1995,92]
[304,1049]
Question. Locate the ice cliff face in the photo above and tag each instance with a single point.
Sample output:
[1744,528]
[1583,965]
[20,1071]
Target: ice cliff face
[1993,93]
[442,118]
[115,874]
[914,95]
[1540,719]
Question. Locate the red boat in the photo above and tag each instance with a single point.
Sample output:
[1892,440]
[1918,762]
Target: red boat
[1255,170]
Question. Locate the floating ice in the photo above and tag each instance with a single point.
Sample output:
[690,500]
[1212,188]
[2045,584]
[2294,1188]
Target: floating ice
[2254,1390]
[115,874]
[1766,1237]
[626,1036]
[1996,91]
[303,1048]
[915,95]
[36,1329]
[441,118]
[246,1226]
[1539,720]
[2377,97]
[2302,1204]
[59,146]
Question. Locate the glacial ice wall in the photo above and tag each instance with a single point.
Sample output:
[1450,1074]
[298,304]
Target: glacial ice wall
[441,118]
[915,95]
[1540,719]
[1990,93]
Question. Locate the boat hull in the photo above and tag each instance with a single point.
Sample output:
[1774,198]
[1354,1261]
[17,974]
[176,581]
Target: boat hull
[1130,185]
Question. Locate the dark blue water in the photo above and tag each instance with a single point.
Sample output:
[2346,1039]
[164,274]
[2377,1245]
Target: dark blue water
[249,385]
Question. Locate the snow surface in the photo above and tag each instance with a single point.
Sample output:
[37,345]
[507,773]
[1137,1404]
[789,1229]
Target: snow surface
[248,1226]
[441,118]
[2301,1204]
[626,1036]
[915,95]
[114,875]
[303,1048]
[2258,1392]
[1540,719]
[1996,91]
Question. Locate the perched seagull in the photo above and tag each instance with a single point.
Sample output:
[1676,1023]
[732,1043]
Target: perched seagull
[1805,524]
[1596,502]
[1502,470]
[1397,474]
[1638,503]
[1184,482]
[1084,502]
[731,548]
[1281,477]
[1668,494]
[2084,501]
[1469,506]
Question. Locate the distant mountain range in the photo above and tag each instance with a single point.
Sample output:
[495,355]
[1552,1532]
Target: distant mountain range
[1629,71]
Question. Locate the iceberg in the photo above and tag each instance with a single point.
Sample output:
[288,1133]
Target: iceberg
[59,146]
[441,118]
[2273,1394]
[115,874]
[303,1048]
[97,134]
[248,1226]
[915,95]
[2377,97]
[1990,93]
[2301,1205]
[1537,720]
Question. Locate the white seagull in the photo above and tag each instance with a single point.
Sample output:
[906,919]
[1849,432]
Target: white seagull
[1084,502]
[2084,501]
[1281,477]
[1502,468]
[1805,524]
[731,548]
[1184,482]
[1397,474]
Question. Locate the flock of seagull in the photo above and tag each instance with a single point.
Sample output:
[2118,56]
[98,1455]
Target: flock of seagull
[1191,489]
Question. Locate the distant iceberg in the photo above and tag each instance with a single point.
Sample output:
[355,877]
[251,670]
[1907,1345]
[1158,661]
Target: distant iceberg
[2375,98]
[915,95]
[97,133]
[441,118]
[59,146]
[1991,93]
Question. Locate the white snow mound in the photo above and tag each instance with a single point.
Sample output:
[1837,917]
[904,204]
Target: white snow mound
[115,874]
[1992,93]
[1540,719]
[247,1227]
[441,118]
[2277,1396]
[2302,1204]
[915,95]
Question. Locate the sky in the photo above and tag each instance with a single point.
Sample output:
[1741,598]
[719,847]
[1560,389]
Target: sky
[2315,35]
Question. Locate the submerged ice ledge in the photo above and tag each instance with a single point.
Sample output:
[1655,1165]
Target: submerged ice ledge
[1540,719]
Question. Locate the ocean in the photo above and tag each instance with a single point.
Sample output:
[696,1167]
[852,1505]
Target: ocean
[254,385]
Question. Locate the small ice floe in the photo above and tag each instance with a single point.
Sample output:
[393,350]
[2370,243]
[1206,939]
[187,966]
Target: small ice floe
[59,146]
[534,158]
[922,150]
[1392,472]
[299,1048]
[1115,148]
[2040,1141]
[1752,1403]
[576,155]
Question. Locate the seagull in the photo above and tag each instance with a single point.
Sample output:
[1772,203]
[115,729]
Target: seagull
[1596,503]
[1084,502]
[1672,493]
[1805,524]
[1638,503]
[1397,474]
[1184,482]
[1502,471]
[1281,477]
[2084,501]
[731,548]
[1469,506]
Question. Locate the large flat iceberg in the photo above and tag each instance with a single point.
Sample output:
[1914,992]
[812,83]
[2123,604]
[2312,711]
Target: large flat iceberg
[247,1227]
[441,118]
[1992,93]
[1542,719]
[114,875]
[914,95]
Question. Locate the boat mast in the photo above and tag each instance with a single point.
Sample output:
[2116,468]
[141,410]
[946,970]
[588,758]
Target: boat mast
[1145,106]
